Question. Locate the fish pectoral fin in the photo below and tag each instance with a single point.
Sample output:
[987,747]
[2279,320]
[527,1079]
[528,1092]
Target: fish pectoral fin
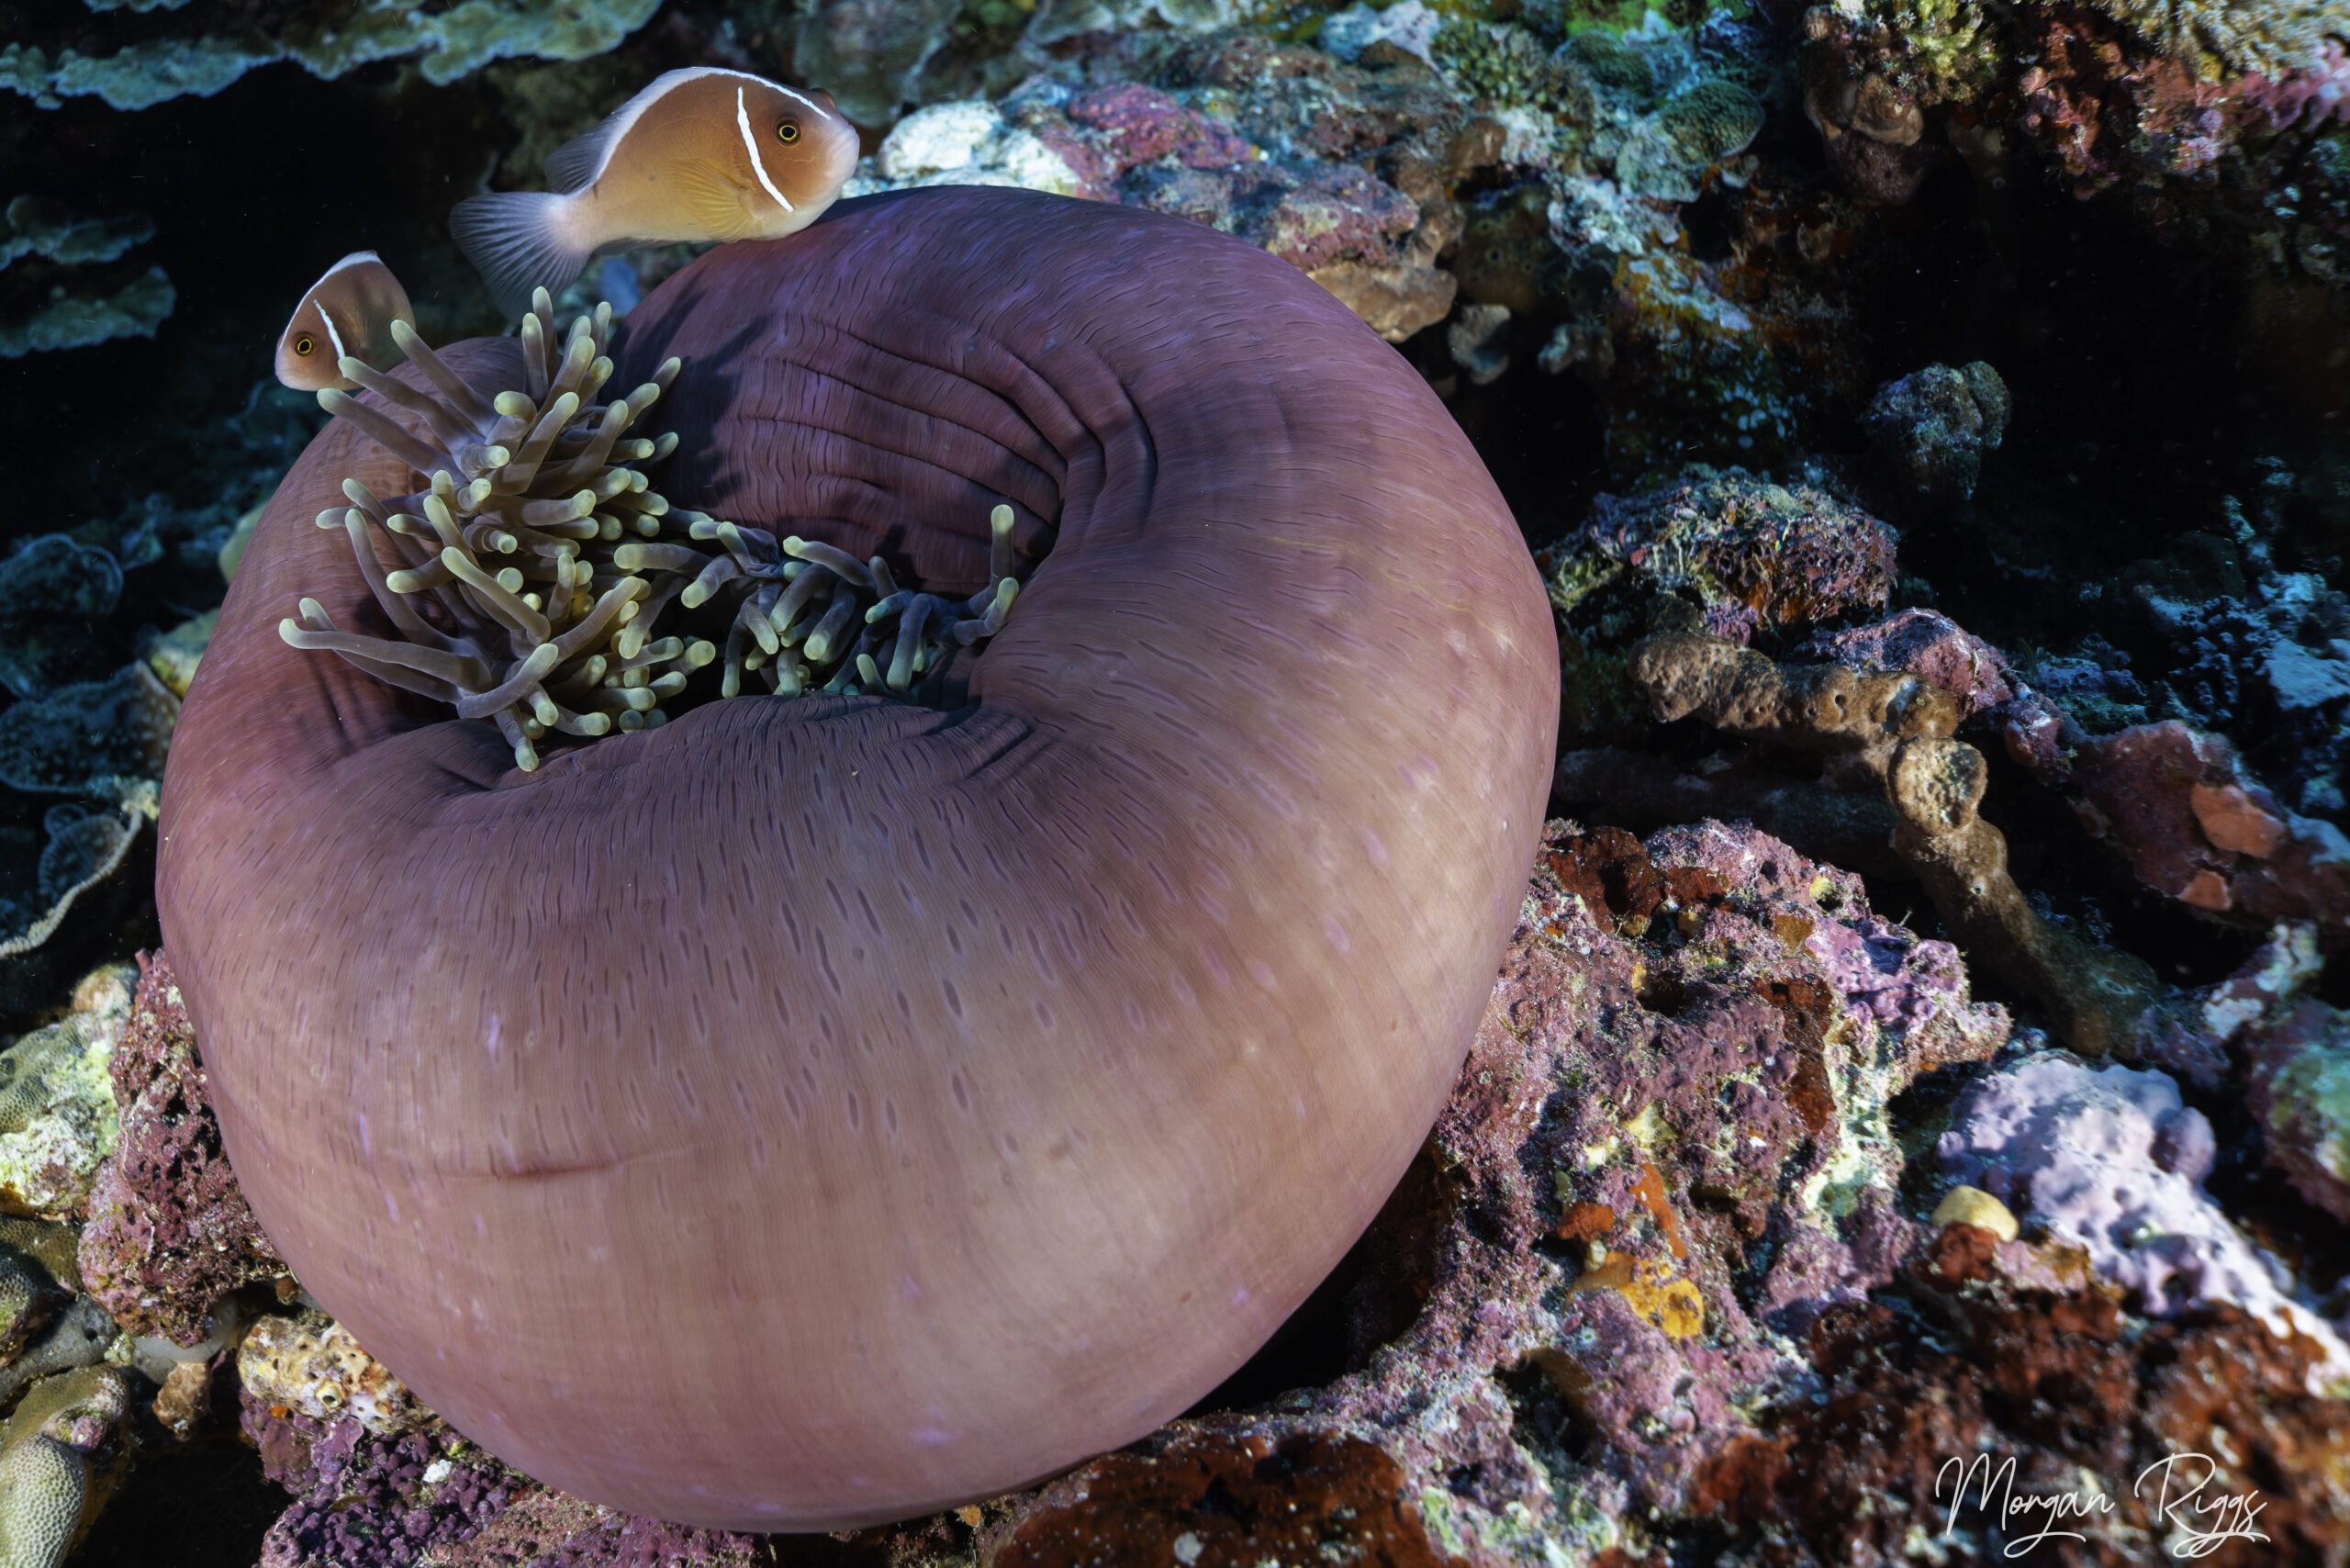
[711,198]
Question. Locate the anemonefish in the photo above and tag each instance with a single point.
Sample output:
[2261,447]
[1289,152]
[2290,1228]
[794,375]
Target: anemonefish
[701,154]
[347,311]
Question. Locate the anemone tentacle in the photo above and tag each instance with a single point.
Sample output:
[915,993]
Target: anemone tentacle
[540,479]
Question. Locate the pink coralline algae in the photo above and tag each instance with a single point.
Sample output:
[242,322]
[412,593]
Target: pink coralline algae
[2175,801]
[1345,172]
[1752,553]
[425,1498]
[2294,1048]
[169,1233]
[1668,1153]
[1882,969]
[1137,125]
[2309,97]
[1931,645]
[1930,431]
[2111,1160]
[1339,164]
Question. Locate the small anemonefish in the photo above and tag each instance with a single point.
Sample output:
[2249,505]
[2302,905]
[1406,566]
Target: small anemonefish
[703,153]
[350,311]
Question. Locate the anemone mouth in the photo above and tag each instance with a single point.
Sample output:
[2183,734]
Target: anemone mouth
[537,566]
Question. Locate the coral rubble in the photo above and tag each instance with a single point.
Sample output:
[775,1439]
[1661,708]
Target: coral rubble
[169,1235]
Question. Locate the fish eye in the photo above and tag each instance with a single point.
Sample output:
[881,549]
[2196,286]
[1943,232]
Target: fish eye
[305,343]
[787,131]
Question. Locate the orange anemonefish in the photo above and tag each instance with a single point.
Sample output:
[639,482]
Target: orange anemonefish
[702,154]
[349,311]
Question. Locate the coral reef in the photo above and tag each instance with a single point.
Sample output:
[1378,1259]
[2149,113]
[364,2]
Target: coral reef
[1667,154]
[36,1276]
[2109,1424]
[137,59]
[1891,734]
[75,851]
[1346,173]
[2228,640]
[2109,1160]
[62,1453]
[312,1367]
[365,1499]
[63,282]
[57,1111]
[2295,1051]
[88,738]
[2176,802]
[2177,110]
[1205,1495]
[418,1494]
[1929,431]
[1752,553]
[868,56]
[168,1233]
[2274,36]
[2300,1092]
[48,585]
[99,741]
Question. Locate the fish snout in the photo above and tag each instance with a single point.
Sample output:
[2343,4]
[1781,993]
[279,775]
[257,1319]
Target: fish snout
[841,148]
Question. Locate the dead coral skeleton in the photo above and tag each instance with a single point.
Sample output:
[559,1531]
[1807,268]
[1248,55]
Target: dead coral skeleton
[534,567]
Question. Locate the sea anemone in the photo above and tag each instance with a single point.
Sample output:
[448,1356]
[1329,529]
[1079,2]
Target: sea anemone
[562,637]
[806,1112]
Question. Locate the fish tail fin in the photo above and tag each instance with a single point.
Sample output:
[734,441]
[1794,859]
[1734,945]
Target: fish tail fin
[519,240]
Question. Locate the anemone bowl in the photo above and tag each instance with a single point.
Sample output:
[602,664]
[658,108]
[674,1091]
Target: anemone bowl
[818,1111]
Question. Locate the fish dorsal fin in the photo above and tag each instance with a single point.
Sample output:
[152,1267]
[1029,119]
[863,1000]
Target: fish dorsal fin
[352,260]
[574,166]
[580,162]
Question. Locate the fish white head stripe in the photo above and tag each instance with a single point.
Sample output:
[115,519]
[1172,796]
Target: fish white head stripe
[332,336]
[751,146]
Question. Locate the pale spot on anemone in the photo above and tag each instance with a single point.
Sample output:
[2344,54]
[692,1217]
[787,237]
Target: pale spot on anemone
[1223,495]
